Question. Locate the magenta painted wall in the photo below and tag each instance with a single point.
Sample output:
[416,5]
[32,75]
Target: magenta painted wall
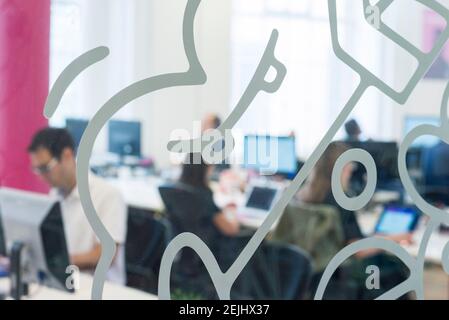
[24,72]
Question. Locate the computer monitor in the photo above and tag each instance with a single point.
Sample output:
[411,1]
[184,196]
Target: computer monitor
[435,182]
[261,198]
[125,138]
[76,128]
[270,154]
[414,158]
[35,222]
[412,122]
[385,155]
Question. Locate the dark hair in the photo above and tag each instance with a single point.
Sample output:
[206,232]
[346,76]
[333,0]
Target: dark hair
[194,171]
[318,185]
[217,121]
[352,127]
[55,140]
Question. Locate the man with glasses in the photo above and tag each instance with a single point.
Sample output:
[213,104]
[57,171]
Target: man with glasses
[52,154]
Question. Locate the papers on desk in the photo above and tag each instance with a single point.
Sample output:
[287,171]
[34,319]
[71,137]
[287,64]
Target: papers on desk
[140,192]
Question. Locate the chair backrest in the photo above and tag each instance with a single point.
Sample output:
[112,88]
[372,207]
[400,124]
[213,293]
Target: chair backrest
[317,229]
[186,209]
[275,272]
[186,212]
[146,241]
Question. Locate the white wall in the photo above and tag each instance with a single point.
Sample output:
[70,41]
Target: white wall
[159,49]
[426,99]
[102,23]
[145,40]
[152,44]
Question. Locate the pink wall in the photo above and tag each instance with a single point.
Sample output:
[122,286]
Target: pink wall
[24,72]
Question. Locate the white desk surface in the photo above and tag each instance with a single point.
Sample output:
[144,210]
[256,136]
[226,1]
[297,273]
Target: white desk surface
[141,192]
[111,291]
[144,193]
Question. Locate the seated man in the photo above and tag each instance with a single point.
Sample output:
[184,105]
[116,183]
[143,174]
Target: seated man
[52,154]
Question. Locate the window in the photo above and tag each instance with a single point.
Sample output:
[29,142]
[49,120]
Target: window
[317,85]
[78,26]
[65,45]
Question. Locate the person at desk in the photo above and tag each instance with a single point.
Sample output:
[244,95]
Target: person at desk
[52,154]
[209,122]
[317,190]
[191,208]
[353,131]
[196,176]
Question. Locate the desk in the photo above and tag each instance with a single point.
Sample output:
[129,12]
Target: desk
[111,291]
[140,192]
[143,193]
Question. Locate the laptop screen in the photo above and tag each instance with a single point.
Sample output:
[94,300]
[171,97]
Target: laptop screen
[397,220]
[261,198]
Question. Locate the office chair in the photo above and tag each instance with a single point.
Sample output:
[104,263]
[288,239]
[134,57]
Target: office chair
[185,208]
[275,272]
[146,240]
[317,229]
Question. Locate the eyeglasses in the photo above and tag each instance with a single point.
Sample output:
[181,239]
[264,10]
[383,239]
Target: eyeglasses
[45,168]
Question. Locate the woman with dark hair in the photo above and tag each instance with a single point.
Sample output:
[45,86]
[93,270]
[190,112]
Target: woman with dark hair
[317,190]
[195,174]
[191,209]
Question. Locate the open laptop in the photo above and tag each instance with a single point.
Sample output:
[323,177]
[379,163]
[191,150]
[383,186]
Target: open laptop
[397,220]
[260,199]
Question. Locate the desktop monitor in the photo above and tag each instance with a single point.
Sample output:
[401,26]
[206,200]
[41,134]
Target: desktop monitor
[76,129]
[414,158]
[412,122]
[125,138]
[35,222]
[435,173]
[270,154]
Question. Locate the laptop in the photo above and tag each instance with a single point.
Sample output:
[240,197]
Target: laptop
[260,199]
[397,220]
